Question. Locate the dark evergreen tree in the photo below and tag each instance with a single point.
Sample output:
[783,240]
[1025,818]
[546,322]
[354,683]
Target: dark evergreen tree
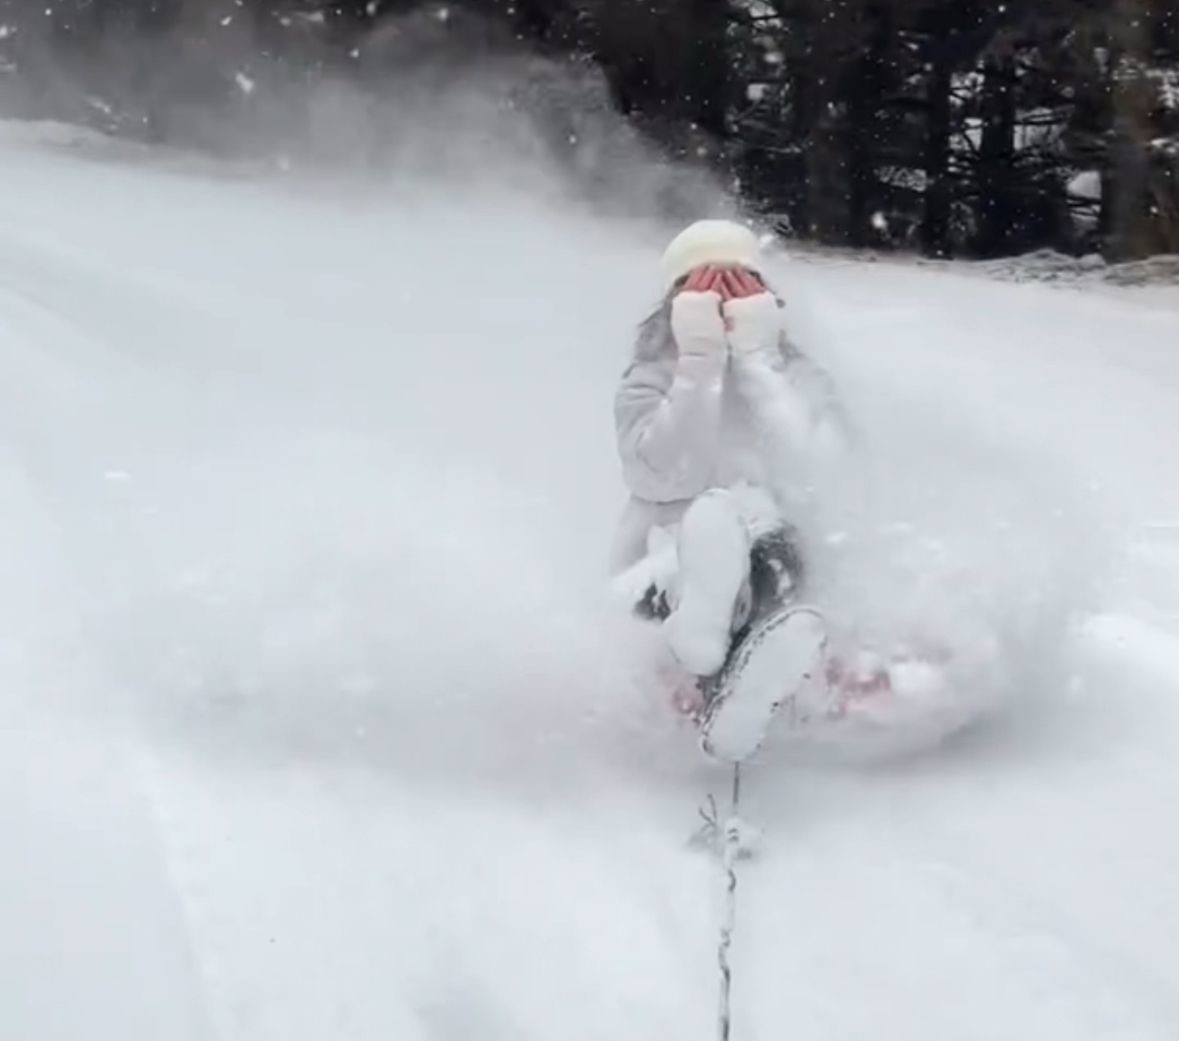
[968,127]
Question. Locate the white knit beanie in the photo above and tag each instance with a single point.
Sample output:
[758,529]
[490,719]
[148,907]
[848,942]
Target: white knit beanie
[710,242]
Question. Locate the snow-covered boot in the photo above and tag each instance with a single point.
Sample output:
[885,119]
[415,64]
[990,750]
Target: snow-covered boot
[714,573]
[768,669]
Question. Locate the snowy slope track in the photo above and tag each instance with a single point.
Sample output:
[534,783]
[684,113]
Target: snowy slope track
[315,723]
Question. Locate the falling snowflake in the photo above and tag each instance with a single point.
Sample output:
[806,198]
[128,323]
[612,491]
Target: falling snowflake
[1168,87]
[244,83]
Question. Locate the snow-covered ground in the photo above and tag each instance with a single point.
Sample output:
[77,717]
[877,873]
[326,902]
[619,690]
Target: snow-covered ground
[315,725]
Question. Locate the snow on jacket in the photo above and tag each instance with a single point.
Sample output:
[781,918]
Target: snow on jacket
[754,411]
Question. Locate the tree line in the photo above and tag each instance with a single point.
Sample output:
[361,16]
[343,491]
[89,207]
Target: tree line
[957,127]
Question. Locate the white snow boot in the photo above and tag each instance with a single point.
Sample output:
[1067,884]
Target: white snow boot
[714,571]
[768,670]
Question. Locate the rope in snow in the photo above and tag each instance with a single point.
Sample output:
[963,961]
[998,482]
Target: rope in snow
[730,852]
[731,840]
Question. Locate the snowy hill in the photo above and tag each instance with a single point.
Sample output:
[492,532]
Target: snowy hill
[316,727]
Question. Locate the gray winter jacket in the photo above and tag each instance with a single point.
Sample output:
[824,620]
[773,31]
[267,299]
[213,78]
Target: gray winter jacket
[701,407]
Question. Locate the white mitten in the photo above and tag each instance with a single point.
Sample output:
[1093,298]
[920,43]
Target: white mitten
[697,324]
[754,324]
